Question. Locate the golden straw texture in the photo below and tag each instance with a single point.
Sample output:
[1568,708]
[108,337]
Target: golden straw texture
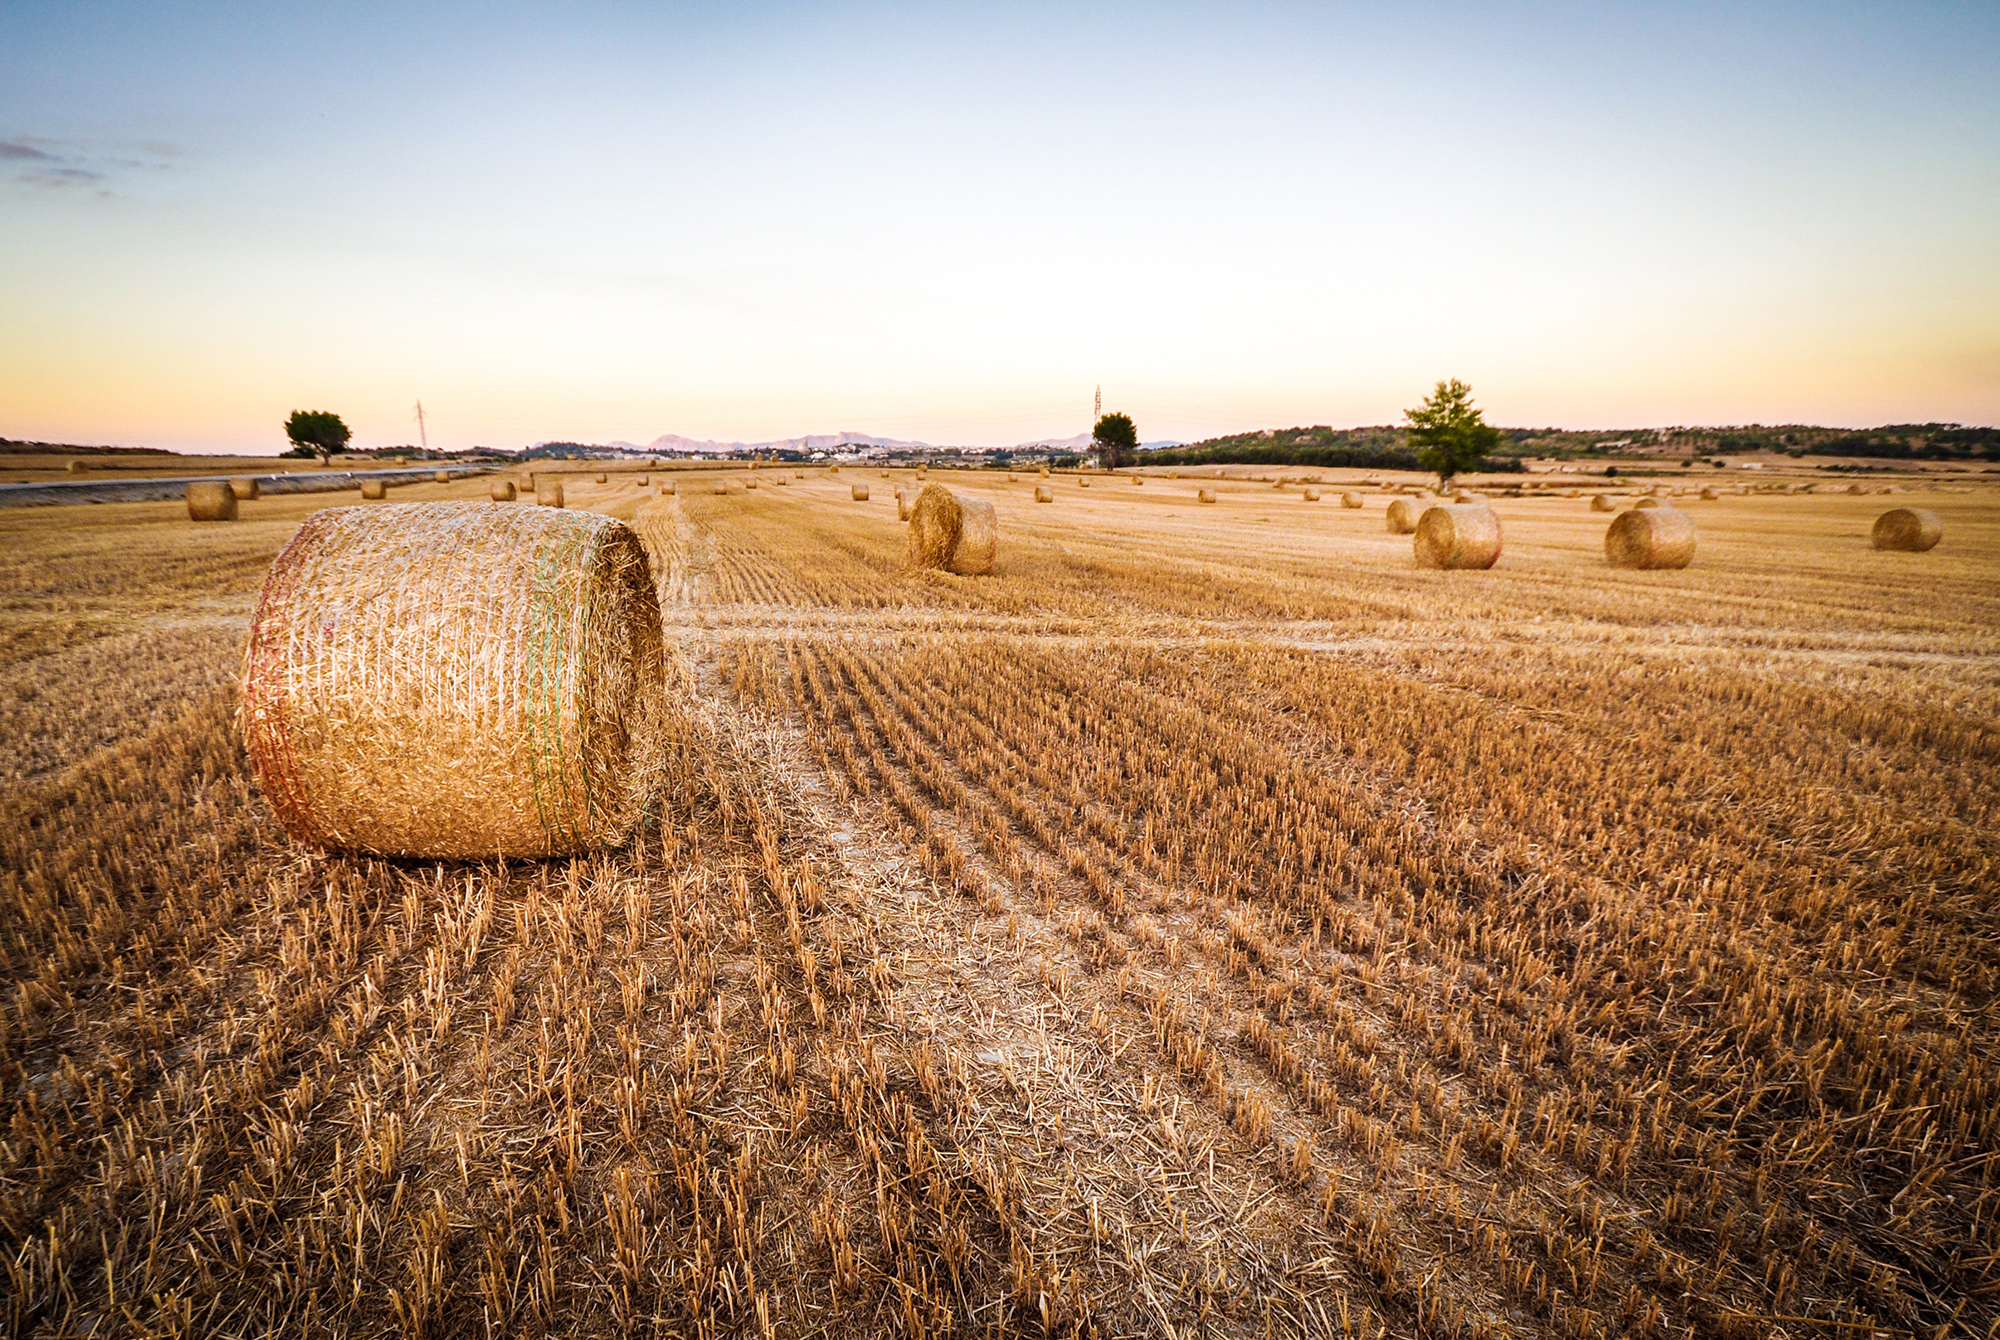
[549,493]
[1655,537]
[1403,514]
[1349,499]
[1043,493]
[859,493]
[1204,495]
[934,522]
[396,650]
[1912,529]
[211,502]
[1462,535]
[501,491]
[440,476]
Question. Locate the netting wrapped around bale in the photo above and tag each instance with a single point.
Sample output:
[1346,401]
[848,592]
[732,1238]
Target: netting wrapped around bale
[244,487]
[1912,529]
[501,491]
[1462,535]
[456,680]
[548,494]
[1656,537]
[210,501]
[957,534]
[373,489]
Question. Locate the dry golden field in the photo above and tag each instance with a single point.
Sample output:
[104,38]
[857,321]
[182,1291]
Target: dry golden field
[1209,924]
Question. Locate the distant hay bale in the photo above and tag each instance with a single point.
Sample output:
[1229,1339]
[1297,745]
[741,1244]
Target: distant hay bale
[1655,537]
[749,483]
[1312,495]
[440,476]
[1138,480]
[833,469]
[549,493]
[780,482]
[1601,502]
[602,477]
[1173,474]
[208,500]
[374,488]
[1083,483]
[500,491]
[1569,493]
[904,506]
[1461,497]
[1043,493]
[860,492]
[1204,495]
[644,480]
[75,467]
[1856,489]
[957,534]
[1403,515]
[1044,470]
[1462,535]
[244,487]
[1649,501]
[719,488]
[1350,500]
[1708,493]
[670,488]
[1911,529]
[452,680]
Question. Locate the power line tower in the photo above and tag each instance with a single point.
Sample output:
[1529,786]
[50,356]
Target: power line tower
[1097,407]
[423,434]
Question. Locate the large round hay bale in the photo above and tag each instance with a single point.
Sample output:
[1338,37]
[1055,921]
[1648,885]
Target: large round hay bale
[1647,502]
[1708,493]
[1350,500]
[1204,495]
[1913,529]
[1601,502]
[500,490]
[1312,495]
[1461,535]
[860,493]
[549,493]
[1403,514]
[644,481]
[1043,493]
[208,500]
[374,489]
[395,651]
[440,476]
[1655,537]
[957,534]
[602,477]
[244,487]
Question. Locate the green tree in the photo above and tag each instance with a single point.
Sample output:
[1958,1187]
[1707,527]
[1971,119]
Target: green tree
[316,432]
[1116,440]
[1448,433]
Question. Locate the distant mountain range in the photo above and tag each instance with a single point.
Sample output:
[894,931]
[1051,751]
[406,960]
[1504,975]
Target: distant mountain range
[834,442]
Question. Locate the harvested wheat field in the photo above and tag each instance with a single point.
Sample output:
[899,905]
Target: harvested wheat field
[1209,923]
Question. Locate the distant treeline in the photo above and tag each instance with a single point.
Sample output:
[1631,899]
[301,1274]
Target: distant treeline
[8,447]
[1375,448]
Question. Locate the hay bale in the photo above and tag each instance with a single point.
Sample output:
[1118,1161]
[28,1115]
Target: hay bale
[210,501]
[1856,489]
[1649,501]
[500,491]
[1045,470]
[719,488]
[670,488]
[1403,515]
[1656,537]
[957,534]
[1461,497]
[780,482]
[833,469]
[798,474]
[1461,535]
[1350,500]
[75,467]
[860,493]
[1173,474]
[904,506]
[1911,529]
[1138,480]
[1601,502]
[396,651]
[1204,495]
[1708,493]
[244,487]
[374,489]
[440,476]
[1043,493]
[749,483]
[549,493]
[1312,495]
[644,481]
[602,477]
[1083,483]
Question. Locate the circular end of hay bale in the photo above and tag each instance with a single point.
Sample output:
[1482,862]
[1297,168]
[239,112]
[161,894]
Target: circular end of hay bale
[500,491]
[1204,495]
[1458,535]
[1910,529]
[75,467]
[374,489]
[602,477]
[1602,503]
[1403,514]
[1647,502]
[1652,538]
[211,501]
[1043,493]
[1350,500]
[860,493]
[1312,495]
[833,469]
[440,476]
[396,651]
[549,495]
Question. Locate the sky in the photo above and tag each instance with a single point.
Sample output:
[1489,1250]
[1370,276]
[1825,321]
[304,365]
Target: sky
[953,222]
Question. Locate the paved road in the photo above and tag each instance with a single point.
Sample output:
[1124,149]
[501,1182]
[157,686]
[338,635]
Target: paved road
[56,492]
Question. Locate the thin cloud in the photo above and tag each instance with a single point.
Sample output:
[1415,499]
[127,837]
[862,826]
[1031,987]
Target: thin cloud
[57,164]
[15,149]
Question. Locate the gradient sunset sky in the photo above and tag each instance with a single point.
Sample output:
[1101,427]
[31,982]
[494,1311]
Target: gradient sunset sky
[951,222]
